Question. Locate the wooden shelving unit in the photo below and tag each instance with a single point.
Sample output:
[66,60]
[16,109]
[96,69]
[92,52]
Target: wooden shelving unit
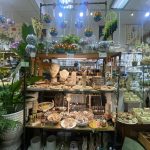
[38,61]
[58,127]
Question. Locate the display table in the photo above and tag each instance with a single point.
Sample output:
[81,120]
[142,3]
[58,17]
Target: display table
[131,131]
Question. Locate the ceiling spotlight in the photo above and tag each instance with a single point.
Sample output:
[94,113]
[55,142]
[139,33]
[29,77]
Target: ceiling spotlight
[81,14]
[147,14]
[60,14]
[132,14]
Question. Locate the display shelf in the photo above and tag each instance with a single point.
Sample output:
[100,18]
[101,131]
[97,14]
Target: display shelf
[67,91]
[77,56]
[58,127]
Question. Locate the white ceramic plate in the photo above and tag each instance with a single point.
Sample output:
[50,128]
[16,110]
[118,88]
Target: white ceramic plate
[123,121]
[68,123]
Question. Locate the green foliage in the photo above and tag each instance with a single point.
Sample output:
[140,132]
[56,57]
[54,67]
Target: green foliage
[11,97]
[26,29]
[40,47]
[6,124]
[109,28]
[110,24]
[20,51]
[33,79]
[70,39]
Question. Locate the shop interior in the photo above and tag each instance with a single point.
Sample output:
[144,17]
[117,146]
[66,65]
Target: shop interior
[74,75]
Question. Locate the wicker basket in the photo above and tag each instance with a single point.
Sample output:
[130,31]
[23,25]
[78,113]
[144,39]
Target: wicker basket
[18,116]
[15,145]
[12,135]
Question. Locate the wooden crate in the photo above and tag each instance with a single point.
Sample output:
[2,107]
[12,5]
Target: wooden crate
[144,139]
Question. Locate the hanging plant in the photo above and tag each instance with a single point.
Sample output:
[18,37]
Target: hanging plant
[88,32]
[53,31]
[47,18]
[97,16]
[63,24]
[31,39]
[110,24]
[2,19]
[79,24]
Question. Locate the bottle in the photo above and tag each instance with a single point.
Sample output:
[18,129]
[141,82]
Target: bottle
[110,148]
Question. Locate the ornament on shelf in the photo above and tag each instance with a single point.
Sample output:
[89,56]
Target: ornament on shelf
[2,19]
[79,24]
[97,16]
[53,31]
[31,50]
[31,39]
[47,18]
[63,24]
[88,32]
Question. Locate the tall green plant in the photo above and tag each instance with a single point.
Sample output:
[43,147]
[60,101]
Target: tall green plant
[26,29]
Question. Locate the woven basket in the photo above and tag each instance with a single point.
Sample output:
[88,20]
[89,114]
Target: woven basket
[12,135]
[15,145]
[18,116]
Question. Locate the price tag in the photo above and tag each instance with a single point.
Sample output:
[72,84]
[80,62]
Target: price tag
[102,54]
[24,64]
[70,55]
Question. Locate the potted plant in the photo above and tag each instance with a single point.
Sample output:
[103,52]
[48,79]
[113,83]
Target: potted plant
[11,100]
[10,132]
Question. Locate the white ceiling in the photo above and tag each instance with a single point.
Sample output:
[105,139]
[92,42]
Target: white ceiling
[23,10]
[19,10]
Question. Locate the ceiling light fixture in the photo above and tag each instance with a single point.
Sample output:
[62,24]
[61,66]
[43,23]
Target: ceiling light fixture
[60,14]
[81,14]
[119,4]
[66,4]
[132,14]
[147,14]
[91,14]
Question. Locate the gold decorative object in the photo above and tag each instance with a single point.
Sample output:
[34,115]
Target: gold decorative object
[45,106]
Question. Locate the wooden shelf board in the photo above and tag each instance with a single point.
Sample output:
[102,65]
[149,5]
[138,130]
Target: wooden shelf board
[58,127]
[69,91]
[77,56]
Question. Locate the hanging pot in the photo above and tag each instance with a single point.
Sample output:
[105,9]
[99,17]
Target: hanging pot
[97,16]
[47,18]
[53,32]
[88,32]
